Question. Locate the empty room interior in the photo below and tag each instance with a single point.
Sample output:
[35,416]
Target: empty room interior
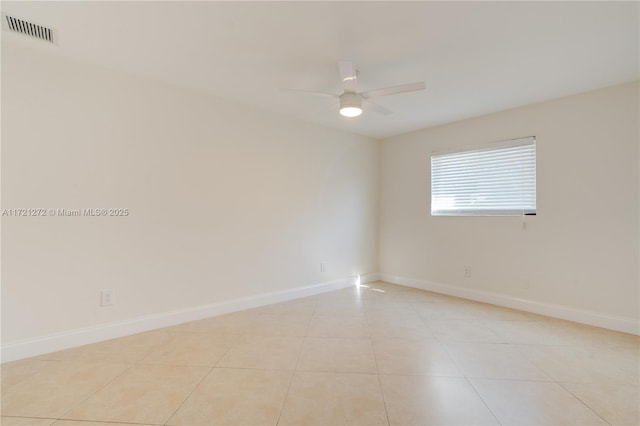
[320,213]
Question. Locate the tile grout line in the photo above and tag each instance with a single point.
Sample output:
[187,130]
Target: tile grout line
[482,399]
[109,422]
[200,382]
[582,402]
[384,401]
[7,388]
[107,383]
[166,422]
[375,358]
[444,347]
[295,368]
[98,389]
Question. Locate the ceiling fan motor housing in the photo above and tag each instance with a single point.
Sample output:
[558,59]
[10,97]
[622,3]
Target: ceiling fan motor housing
[350,104]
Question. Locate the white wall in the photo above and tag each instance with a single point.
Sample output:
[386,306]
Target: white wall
[228,202]
[580,251]
[225,201]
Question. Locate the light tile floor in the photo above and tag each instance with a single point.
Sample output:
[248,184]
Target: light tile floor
[379,354]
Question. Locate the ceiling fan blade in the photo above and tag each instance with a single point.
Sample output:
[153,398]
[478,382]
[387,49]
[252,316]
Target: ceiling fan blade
[348,76]
[403,88]
[308,92]
[378,109]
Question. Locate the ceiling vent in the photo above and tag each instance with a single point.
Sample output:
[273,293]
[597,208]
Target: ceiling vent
[21,26]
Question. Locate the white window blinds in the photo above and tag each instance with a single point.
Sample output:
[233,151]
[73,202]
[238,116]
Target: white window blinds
[495,181]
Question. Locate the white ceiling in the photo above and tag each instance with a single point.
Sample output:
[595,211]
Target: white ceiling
[476,57]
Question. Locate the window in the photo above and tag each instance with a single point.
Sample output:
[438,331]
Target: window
[495,181]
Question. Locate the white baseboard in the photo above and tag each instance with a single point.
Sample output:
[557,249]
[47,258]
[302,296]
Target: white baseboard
[54,342]
[611,322]
[369,278]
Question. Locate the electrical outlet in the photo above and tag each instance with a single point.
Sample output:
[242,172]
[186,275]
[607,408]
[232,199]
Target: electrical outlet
[467,271]
[324,266]
[106,298]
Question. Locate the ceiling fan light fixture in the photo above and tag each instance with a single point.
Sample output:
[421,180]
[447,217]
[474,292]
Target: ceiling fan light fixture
[350,111]
[350,105]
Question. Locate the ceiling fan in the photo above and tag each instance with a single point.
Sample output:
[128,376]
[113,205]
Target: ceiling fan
[351,100]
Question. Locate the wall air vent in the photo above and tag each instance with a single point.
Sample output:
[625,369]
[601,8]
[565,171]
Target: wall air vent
[21,26]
